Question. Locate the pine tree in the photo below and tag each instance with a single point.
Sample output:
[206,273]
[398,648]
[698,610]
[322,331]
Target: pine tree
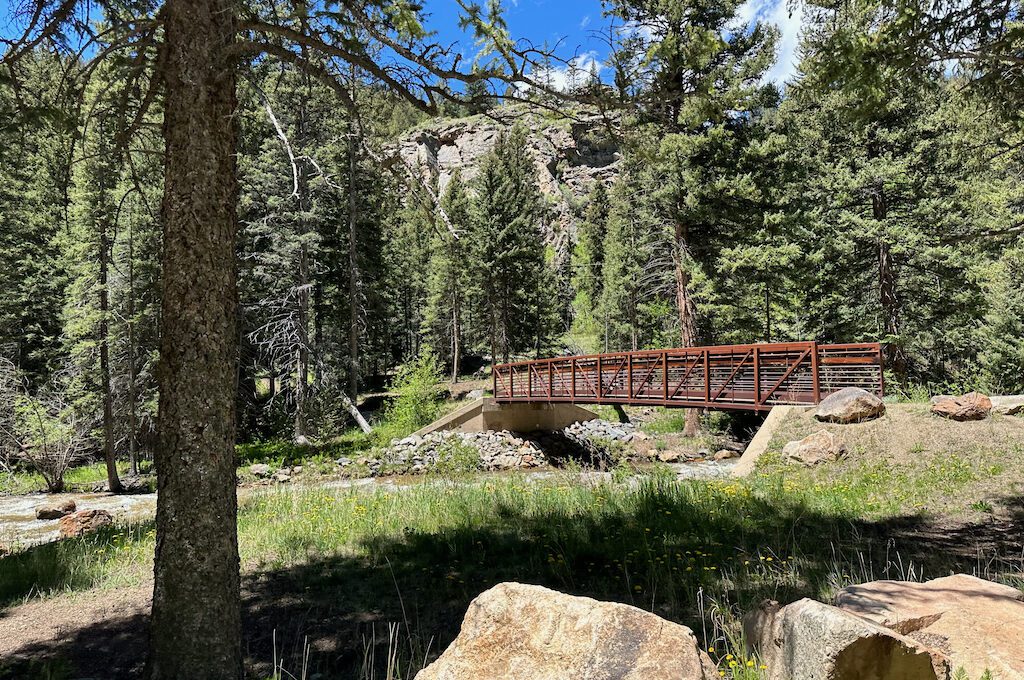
[588,261]
[512,281]
[448,279]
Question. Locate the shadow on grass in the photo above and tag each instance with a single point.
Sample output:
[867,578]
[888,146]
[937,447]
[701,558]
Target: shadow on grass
[658,556]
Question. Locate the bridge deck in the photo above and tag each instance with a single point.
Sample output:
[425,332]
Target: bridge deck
[748,377]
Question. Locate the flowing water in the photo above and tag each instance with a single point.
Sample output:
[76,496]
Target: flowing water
[19,526]
[18,523]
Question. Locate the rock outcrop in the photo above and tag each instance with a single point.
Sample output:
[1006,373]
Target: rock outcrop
[849,405]
[978,624]
[821,447]
[571,156]
[84,522]
[808,640]
[971,406]
[524,632]
[55,510]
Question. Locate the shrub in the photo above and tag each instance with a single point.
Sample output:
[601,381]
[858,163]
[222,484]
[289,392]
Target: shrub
[418,401]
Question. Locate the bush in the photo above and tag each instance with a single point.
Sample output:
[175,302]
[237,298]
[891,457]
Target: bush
[418,402]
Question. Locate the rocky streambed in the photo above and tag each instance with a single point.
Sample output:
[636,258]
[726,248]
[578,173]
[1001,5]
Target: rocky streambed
[19,524]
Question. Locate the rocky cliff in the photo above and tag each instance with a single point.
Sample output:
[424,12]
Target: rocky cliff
[571,155]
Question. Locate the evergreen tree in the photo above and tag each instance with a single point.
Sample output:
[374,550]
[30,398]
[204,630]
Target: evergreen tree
[513,310]
[448,278]
[588,261]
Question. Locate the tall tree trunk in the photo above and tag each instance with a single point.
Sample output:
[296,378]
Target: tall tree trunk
[196,621]
[353,276]
[456,332]
[133,371]
[888,295]
[687,312]
[302,358]
[767,312]
[113,482]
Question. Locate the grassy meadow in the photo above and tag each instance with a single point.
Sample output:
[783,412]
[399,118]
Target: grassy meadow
[373,582]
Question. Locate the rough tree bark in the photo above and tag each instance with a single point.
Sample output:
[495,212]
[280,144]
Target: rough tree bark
[687,313]
[196,621]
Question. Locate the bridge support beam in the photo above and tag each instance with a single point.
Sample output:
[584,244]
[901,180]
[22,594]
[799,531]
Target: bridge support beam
[486,414]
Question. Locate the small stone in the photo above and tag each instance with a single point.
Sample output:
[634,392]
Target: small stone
[820,447]
[281,476]
[83,522]
[261,470]
[56,511]
[669,456]
[971,406]
[724,454]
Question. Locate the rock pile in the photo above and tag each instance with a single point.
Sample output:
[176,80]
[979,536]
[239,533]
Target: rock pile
[416,454]
[588,431]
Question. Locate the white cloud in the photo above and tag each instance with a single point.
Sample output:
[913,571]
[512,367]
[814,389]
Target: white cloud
[585,21]
[788,19]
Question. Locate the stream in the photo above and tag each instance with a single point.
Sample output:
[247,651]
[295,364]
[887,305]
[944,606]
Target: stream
[19,526]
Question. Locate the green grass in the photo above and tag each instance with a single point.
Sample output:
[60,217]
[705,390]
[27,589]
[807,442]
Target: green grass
[419,555]
[24,481]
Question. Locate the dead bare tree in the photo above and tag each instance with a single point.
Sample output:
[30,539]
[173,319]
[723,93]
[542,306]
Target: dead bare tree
[43,432]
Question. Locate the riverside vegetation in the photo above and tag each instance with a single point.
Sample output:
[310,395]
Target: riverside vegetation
[178,294]
[408,561]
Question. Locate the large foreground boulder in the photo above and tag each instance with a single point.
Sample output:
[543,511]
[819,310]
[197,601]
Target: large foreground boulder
[808,640]
[84,522]
[849,405]
[971,406]
[523,632]
[977,623]
[820,447]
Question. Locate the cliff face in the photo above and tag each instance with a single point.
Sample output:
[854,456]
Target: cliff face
[571,156]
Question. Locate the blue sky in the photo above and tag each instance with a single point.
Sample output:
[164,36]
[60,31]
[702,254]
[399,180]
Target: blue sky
[572,25]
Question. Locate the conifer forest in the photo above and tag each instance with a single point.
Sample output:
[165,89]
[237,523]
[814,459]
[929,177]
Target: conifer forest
[229,224]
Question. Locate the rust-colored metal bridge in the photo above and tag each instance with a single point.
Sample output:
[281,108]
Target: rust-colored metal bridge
[747,377]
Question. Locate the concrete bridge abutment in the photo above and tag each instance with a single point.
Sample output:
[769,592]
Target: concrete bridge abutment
[487,414]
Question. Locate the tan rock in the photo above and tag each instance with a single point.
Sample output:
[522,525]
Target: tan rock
[971,406]
[523,632]
[724,454]
[808,640]
[821,447]
[977,623]
[1009,405]
[849,405]
[84,522]
[56,510]
[669,456]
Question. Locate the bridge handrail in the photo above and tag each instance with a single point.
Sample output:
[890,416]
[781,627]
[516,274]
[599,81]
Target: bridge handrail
[750,376]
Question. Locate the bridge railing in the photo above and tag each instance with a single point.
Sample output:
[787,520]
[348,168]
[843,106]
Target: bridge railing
[750,377]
